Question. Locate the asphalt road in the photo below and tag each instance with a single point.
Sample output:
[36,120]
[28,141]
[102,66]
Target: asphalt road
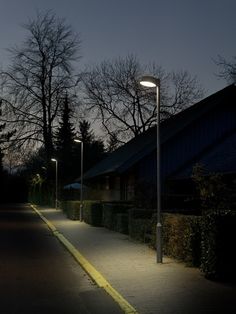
[37,275]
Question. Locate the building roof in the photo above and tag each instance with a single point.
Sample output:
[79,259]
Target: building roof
[220,158]
[125,156]
[181,120]
[134,150]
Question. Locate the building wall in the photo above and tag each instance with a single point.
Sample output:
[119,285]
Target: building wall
[105,188]
[183,150]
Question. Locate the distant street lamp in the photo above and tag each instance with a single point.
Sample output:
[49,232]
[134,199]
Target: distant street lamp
[56,182]
[150,81]
[81,179]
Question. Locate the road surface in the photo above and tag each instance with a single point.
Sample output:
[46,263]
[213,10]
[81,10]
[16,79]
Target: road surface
[37,274]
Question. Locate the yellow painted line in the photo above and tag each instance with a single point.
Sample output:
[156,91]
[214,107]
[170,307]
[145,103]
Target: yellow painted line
[95,275]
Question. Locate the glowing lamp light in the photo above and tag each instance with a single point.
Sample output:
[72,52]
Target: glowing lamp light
[149,81]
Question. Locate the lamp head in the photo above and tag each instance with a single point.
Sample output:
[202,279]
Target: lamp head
[77,140]
[149,81]
[53,159]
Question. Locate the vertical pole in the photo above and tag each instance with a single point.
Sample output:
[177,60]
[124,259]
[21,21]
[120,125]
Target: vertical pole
[158,226]
[56,185]
[81,182]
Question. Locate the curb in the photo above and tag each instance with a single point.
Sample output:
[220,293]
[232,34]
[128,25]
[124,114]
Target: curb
[95,275]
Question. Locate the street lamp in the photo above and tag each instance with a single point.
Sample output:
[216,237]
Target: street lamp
[150,81]
[81,180]
[56,182]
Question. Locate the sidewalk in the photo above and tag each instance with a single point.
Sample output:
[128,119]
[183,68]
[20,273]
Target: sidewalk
[131,269]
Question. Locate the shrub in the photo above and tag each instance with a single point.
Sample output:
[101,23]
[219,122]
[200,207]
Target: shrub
[140,224]
[122,223]
[218,224]
[181,237]
[92,213]
[218,234]
[71,209]
[213,192]
[110,212]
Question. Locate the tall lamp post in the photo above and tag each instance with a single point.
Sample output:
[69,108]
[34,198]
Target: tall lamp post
[56,182]
[150,81]
[81,179]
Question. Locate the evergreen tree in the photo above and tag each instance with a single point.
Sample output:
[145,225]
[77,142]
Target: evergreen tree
[93,148]
[113,142]
[85,133]
[65,142]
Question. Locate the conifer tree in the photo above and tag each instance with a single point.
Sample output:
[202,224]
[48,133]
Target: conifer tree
[65,142]
[93,148]
[85,132]
[113,142]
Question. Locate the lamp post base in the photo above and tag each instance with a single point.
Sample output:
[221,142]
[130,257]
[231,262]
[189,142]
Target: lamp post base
[81,212]
[159,242]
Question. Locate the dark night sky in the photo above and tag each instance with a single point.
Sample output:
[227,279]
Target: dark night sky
[176,34]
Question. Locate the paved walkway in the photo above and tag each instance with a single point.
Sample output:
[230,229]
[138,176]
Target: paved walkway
[131,269]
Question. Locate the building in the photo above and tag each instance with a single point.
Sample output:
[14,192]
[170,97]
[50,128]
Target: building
[204,133]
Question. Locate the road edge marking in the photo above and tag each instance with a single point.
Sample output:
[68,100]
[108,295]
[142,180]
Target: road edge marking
[94,274]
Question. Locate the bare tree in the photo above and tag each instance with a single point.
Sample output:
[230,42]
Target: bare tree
[5,137]
[186,91]
[40,72]
[227,69]
[125,108]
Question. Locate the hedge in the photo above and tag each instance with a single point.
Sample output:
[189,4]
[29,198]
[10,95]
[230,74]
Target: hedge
[218,242]
[182,237]
[111,217]
[92,213]
[204,241]
[71,209]
[140,225]
[122,223]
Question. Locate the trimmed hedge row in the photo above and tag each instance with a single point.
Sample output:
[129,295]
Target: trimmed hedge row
[92,213]
[181,234]
[71,209]
[182,237]
[115,216]
[140,224]
[202,241]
